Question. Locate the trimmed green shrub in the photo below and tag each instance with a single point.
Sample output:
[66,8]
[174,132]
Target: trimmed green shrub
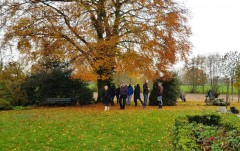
[207,132]
[208,119]
[171,91]
[184,138]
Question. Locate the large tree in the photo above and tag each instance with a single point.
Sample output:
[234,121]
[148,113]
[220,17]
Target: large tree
[214,64]
[230,61]
[195,73]
[100,36]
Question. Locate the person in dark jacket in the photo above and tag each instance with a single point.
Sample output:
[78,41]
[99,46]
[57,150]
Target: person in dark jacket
[145,93]
[129,94]
[118,93]
[183,96]
[123,95]
[137,95]
[113,93]
[106,96]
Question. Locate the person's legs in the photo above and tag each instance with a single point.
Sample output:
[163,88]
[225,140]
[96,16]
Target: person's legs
[145,100]
[130,99]
[117,98]
[121,102]
[107,104]
[124,101]
[135,101]
[160,102]
[112,100]
[140,101]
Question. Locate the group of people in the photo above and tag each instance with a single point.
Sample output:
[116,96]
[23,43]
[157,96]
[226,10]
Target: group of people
[124,95]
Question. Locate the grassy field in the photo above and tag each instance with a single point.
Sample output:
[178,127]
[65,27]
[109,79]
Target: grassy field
[91,128]
[186,88]
[222,89]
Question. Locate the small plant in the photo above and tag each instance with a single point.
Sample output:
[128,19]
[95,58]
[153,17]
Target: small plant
[217,102]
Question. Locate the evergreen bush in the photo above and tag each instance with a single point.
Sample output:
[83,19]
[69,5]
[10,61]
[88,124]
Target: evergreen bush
[171,91]
[56,83]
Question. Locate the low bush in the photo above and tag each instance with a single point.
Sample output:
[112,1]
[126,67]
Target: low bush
[5,105]
[22,107]
[217,102]
[207,132]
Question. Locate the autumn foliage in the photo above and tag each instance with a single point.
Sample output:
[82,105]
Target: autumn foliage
[102,36]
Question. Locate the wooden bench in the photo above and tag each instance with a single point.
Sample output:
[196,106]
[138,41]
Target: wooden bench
[58,101]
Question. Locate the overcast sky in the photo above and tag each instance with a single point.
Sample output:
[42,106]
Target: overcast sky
[215,25]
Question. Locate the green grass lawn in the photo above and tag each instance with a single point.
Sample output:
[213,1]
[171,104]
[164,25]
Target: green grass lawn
[91,128]
[222,89]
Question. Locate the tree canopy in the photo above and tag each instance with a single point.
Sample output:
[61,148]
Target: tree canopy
[99,36]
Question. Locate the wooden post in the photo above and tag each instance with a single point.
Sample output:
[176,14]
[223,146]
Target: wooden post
[227,94]
[232,87]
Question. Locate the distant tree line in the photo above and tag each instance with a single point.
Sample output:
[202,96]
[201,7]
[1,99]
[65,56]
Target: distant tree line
[213,70]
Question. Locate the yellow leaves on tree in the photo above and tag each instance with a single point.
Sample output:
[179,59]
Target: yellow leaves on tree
[101,37]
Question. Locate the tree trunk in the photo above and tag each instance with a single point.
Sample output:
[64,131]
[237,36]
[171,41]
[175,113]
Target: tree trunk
[227,94]
[203,88]
[238,95]
[100,85]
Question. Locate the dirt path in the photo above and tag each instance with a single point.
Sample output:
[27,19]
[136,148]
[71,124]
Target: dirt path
[197,97]
[201,97]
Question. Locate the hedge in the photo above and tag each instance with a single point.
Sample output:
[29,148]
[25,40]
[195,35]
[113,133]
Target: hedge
[207,131]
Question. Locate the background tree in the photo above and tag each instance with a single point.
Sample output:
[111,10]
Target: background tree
[237,83]
[100,35]
[195,74]
[237,77]
[11,77]
[214,63]
[230,61]
[5,97]
[202,76]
